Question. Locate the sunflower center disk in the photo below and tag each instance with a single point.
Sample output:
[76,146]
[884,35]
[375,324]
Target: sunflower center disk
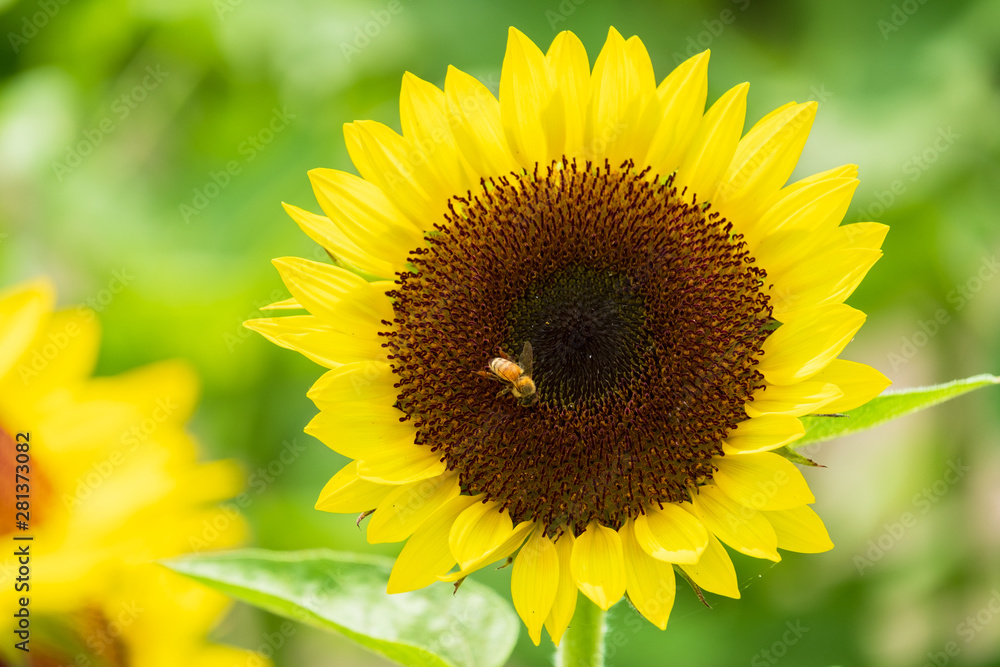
[646,319]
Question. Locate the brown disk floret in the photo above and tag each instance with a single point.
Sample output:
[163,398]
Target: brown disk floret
[646,319]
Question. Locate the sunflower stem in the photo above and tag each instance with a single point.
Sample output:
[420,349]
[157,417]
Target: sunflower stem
[583,643]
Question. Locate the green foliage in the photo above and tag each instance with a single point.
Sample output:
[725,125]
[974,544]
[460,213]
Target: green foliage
[890,405]
[345,593]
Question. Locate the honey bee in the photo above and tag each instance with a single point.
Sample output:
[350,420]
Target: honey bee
[515,375]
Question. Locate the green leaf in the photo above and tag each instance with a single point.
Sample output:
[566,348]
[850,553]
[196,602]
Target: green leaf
[432,627]
[887,406]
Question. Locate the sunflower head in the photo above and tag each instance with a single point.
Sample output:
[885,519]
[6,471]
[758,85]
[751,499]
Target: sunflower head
[657,302]
[114,484]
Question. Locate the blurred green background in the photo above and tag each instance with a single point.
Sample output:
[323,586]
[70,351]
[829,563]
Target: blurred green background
[145,148]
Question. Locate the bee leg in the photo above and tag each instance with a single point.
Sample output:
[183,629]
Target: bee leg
[503,391]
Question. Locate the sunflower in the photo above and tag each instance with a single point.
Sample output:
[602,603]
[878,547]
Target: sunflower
[114,485]
[682,307]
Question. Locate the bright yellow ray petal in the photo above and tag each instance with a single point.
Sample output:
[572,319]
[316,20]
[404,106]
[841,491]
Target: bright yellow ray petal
[564,604]
[714,571]
[714,144]
[762,481]
[363,431]
[764,433]
[368,382]
[427,123]
[676,113]
[478,129]
[650,582]
[526,88]
[598,565]
[858,382]
[363,212]
[534,582]
[322,230]
[793,400]
[788,248]
[670,534]
[478,531]
[336,295]
[621,85]
[24,309]
[500,552]
[347,493]
[567,59]
[762,163]
[284,304]
[314,339]
[408,506]
[390,466]
[800,529]
[816,208]
[826,278]
[799,349]
[742,528]
[400,169]
[63,353]
[843,171]
[426,555]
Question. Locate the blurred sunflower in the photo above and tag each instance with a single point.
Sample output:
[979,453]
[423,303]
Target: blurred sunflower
[684,307]
[114,485]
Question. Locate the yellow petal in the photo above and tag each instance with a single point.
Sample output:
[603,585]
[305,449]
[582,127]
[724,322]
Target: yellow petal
[799,349]
[534,582]
[365,430]
[764,433]
[427,124]
[478,129]
[314,339]
[500,552]
[284,304]
[771,114]
[742,528]
[478,531]
[800,529]
[363,212]
[322,230]
[426,555]
[621,85]
[843,171]
[564,604]
[762,481]
[763,162]
[63,352]
[401,170]
[23,311]
[650,582]
[676,113]
[340,298]
[347,493]
[793,400]
[408,506]
[714,571]
[369,382]
[816,208]
[390,465]
[824,279]
[598,565]
[790,247]
[567,59]
[858,382]
[670,534]
[714,144]
[526,88]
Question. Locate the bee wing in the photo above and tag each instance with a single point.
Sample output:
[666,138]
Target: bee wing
[526,358]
